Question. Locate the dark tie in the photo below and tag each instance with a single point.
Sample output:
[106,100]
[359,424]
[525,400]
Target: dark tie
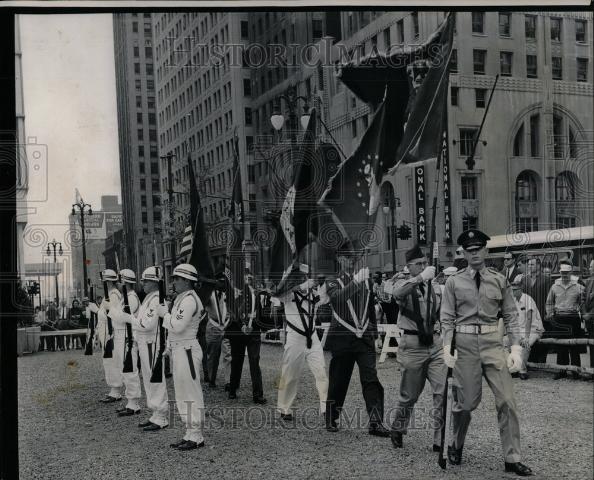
[477,280]
[422,288]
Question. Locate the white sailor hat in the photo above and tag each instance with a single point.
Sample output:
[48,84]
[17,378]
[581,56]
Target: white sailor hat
[449,271]
[110,275]
[151,274]
[185,270]
[127,275]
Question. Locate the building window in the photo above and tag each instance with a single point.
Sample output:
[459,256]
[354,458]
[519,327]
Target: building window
[479,96]
[138,101]
[387,39]
[556,26]
[505,24]
[354,128]
[479,57]
[565,186]
[151,102]
[154,168]
[526,224]
[140,134]
[135,27]
[137,68]
[140,148]
[249,143]
[137,84]
[143,200]
[150,84]
[505,61]
[148,53]
[147,28]
[400,31]
[535,135]
[530,26]
[144,217]
[478,22]
[156,216]
[469,222]
[248,116]
[526,188]
[531,66]
[558,137]
[467,140]
[247,87]
[582,69]
[149,69]
[454,61]
[317,29]
[454,96]
[519,142]
[415,22]
[468,185]
[143,184]
[136,52]
[557,67]
[244,29]
[139,117]
[581,35]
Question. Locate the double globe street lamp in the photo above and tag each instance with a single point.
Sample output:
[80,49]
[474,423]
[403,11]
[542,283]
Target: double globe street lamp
[83,208]
[53,244]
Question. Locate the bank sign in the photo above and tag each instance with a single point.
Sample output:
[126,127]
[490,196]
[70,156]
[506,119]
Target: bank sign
[420,208]
[101,224]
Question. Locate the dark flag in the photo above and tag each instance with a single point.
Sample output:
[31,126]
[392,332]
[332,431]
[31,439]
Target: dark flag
[199,255]
[402,119]
[234,260]
[297,228]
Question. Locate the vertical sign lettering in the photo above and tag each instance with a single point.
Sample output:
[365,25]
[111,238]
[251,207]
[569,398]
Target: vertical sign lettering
[420,205]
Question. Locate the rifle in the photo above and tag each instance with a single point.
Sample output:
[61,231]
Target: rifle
[91,323]
[157,373]
[108,347]
[128,364]
[446,425]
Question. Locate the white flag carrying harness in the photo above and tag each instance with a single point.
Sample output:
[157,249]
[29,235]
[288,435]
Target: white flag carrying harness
[358,329]
[220,321]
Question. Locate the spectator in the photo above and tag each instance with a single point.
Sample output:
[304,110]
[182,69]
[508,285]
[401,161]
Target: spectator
[588,311]
[531,328]
[24,307]
[564,301]
[50,321]
[388,305]
[77,321]
[510,269]
[459,261]
[537,286]
[63,323]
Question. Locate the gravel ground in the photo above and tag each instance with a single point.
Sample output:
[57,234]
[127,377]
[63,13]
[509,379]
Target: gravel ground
[65,433]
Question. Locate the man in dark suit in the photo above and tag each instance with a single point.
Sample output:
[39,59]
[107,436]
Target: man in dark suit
[351,339]
[537,286]
[244,332]
[588,310]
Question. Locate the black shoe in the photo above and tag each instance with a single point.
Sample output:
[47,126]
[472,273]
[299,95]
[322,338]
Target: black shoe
[575,375]
[332,427]
[515,375]
[519,469]
[559,375]
[145,424]
[396,438]
[455,455]
[121,409]
[190,445]
[391,355]
[287,417]
[128,412]
[436,448]
[260,400]
[153,427]
[227,387]
[177,444]
[110,399]
[523,376]
[168,375]
[379,431]
[232,395]
[211,385]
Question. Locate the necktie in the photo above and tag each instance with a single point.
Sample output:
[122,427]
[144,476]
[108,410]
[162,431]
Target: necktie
[422,288]
[477,280]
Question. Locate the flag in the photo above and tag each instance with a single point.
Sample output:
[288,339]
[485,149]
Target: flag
[402,122]
[295,229]
[186,246]
[77,196]
[234,259]
[199,254]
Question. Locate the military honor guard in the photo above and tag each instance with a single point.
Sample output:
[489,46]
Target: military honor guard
[471,301]
[186,355]
[145,328]
[120,319]
[218,321]
[420,349]
[302,344]
[351,339]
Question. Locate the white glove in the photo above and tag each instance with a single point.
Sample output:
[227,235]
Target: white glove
[514,360]
[93,307]
[162,310]
[389,287]
[447,358]
[361,275]
[428,273]
[524,342]
[105,305]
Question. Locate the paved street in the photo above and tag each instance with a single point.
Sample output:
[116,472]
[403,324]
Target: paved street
[66,433]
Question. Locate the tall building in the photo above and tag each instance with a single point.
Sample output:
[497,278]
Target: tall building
[203,99]
[137,130]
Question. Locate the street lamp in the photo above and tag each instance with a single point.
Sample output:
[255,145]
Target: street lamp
[392,203]
[291,99]
[54,245]
[81,206]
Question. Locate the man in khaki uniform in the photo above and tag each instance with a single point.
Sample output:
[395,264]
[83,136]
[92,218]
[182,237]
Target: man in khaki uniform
[420,354]
[471,301]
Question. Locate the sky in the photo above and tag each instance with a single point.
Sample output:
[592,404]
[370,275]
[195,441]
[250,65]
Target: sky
[70,106]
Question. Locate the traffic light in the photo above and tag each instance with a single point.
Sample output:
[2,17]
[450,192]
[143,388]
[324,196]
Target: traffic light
[404,232]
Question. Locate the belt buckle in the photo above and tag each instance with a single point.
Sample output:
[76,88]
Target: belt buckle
[479,329]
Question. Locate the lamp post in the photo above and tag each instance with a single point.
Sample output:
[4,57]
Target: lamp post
[391,203]
[82,206]
[277,119]
[168,158]
[53,244]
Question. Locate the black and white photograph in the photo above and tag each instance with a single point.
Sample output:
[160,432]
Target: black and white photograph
[295,240]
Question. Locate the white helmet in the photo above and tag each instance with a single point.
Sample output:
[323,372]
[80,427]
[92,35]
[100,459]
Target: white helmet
[110,275]
[128,275]
[151,274]
[187,271]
